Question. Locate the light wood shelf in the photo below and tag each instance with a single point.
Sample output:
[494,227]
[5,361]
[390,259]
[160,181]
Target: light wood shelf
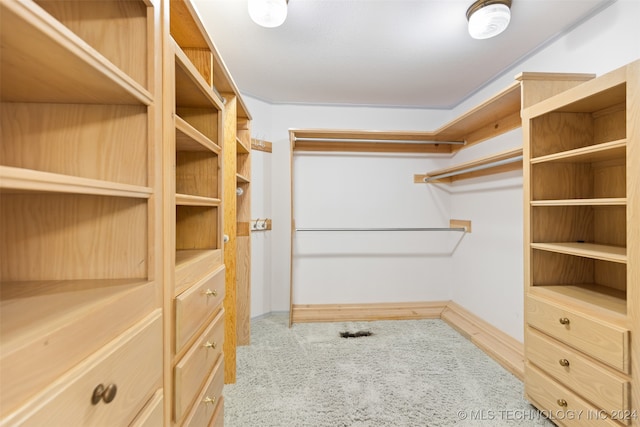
[592,298]
[21,180]
[33,41]
[592,153]
[188,138]
[587,250]
[242,147]
[619,201]
[242,179]
[461,171]
[191,88]
[190,200]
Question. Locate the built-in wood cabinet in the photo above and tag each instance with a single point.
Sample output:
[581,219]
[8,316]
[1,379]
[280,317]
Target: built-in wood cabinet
[112,280]
[80,276]
[582,247]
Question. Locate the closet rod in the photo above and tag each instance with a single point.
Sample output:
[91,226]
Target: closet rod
[473,169]
[403,141]
[462,229]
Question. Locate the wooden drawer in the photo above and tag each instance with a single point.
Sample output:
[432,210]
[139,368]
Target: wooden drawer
[195,366]
[588,378]
[209,400]
[132,362]
[197,304]
[152,414]
[545,394]
[603,341]
[217,419]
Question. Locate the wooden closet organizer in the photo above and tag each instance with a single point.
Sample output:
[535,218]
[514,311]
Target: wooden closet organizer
[115,121]
[582,250]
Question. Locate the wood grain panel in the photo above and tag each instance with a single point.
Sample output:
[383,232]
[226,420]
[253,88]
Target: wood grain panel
[79,237]
[550,268]
[106,142]
[196,227]
[116,29]
[197,173]
[557,132]
[205,120]
[243,271]
[551,181]
[610,123]
[202,59]
[230,229]
[362,312]
[562,224]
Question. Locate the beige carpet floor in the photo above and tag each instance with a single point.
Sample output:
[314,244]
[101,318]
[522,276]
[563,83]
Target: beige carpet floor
[407,373]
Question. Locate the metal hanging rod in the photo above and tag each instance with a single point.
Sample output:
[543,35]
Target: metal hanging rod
[394,141]
[473,169]
[461,229]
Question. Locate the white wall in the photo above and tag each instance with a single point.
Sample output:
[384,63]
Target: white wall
[486,269]
[488,277]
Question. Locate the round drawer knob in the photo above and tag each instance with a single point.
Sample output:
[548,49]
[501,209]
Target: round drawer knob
[208,399]
[210,344]
[211,293]
[562,402]
[564,362]
[564,321]
[106,394]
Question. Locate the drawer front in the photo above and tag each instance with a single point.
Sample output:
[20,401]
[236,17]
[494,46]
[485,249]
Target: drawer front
[132,362]
[217,420]
[602,341]
[197,304]
[196,365]
[586,377]
[152,414]
[546,394]
[209,399]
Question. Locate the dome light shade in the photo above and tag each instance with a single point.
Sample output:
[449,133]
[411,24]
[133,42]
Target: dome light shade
[488,18]
[268,13]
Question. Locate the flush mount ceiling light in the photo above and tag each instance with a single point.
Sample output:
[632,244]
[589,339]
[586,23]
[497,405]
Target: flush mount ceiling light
[488,18]
[268,13]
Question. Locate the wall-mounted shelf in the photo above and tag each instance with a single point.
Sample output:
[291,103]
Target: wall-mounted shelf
[493,117]
[500,162]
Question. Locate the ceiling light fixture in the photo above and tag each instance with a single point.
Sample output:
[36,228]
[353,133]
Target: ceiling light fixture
[488,18]
[268,13]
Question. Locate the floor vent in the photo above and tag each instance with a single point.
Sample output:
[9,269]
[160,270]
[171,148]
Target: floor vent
[358,334]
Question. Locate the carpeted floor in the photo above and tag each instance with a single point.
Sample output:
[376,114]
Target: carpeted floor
[408,373]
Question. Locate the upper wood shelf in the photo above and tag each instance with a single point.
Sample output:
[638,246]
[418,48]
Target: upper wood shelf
[582,202]
[500,162]
[191,88]
[587,250]
[44,61]
[241,147]
[189,138]
[19,180]
[593,153]
[495,116]
[187,30]
[242,178]
[190,200]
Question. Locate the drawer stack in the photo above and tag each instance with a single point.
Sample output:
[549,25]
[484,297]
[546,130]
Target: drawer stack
[582,279]
[576,363]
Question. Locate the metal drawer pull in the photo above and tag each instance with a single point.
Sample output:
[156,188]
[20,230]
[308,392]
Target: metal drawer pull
[562,402]
[107,394]
[564,321]
[211,293]
[210,344]
[208,399]
[564,362]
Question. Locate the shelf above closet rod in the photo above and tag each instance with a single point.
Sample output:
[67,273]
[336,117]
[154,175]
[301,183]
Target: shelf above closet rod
[461,229]
[392,141]
[501,162]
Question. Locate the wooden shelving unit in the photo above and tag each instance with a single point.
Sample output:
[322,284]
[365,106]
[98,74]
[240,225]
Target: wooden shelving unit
[581,273]
[80,276]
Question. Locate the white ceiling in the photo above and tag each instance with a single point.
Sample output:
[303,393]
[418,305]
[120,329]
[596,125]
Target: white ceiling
[409,53]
